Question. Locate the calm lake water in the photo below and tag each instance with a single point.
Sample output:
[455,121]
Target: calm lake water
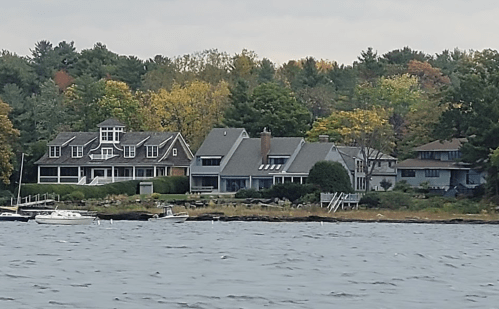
[130,264]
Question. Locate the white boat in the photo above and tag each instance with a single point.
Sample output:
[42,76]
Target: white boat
[64,217]
[169,216]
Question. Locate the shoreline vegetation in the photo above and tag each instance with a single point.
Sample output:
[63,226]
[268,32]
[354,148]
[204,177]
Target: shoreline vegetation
[124,208]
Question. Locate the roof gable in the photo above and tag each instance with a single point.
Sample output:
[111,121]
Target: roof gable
[452,145]
[111,122]
[220,140]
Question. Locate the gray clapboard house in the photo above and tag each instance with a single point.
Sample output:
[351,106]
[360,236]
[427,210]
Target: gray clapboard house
[229,160]
[437,164]
[383,168]
[112,155]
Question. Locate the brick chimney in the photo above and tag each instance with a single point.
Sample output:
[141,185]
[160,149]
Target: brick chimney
[323,138]
[265,145]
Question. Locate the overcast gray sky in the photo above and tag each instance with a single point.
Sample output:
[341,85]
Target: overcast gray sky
[280,30]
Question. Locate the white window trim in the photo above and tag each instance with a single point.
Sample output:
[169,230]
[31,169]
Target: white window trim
[174,152]
[131,152]
[107,152]
[78,150]
[54,151]
[150,151]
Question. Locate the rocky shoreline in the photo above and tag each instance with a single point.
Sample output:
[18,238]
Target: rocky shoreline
[142,216]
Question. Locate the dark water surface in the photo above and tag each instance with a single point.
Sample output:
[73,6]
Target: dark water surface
[132,264]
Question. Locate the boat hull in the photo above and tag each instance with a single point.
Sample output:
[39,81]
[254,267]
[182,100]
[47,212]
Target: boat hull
[172,219]
[20,218]
[65,221]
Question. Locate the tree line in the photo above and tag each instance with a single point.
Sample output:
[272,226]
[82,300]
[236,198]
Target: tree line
[392,102]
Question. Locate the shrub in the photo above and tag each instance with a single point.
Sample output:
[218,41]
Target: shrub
[290,191]
[76,196]
[162,185]
[403,186]
[370,200]
[171,184]
[330,177]
[248,193]
[155,195]
[434,202]
[313,197]
[395,200]
[385,184]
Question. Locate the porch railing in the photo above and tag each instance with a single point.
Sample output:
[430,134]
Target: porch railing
[99,180]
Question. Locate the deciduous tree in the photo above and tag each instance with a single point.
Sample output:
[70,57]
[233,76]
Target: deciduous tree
[192,109]
[367,129]
[7,136]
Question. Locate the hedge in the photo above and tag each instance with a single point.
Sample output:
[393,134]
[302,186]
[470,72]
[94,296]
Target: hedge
[163,185]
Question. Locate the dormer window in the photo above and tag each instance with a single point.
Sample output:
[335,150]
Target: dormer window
[117,132]
[278,160]
[107,153]
[106,134]
[152,151]
[129,151]
[54,151]
[211,160]
[110,134]
[77,151]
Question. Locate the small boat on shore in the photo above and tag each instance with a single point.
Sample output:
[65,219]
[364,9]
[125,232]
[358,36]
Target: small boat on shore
[64,217]
[169,216]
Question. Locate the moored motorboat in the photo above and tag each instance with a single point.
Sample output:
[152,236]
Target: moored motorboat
[169,216]
[13,216]
[64,217]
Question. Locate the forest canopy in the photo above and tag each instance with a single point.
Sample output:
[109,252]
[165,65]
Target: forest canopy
[414,98]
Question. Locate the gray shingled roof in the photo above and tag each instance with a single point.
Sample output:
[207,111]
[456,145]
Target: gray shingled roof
[282,146]
[134,139]
[309,154]
[452,145]
[157,138]
[430,164]
[110,123]
[247,159]
[348,153]
[62,138]
[83,138]
[80,137]
[219,141]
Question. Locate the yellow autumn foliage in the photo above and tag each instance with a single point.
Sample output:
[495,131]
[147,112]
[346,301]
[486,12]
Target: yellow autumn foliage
[7,136]
[192,109]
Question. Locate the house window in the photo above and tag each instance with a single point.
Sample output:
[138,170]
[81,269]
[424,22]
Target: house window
[360,166]
[107,134]
[77,151]
[431,173]
[129,151]
[54,151]
[174,152]
[408,173]
[361,183]
[453,155]
[107,152]
[389,163]
[278,160]
[430,155]
[152,151]
[234,185]
[211,161]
